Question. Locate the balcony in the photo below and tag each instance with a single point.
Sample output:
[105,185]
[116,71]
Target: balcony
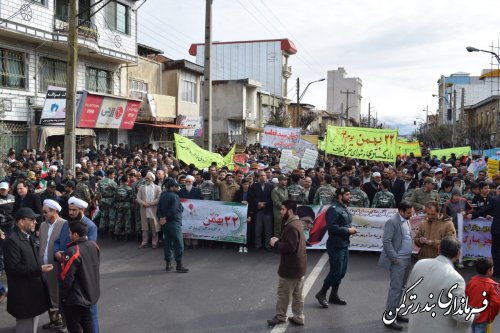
[86,29]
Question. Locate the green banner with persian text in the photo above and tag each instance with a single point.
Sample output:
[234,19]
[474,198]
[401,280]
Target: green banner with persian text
[406,148]
[363,143]
[458,151]
[189,152]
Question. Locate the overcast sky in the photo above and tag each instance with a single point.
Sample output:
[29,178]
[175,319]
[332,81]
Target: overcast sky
[399,48]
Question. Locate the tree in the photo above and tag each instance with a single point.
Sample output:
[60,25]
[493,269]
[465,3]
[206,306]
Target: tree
[307,118]
[437,136]
[278,116]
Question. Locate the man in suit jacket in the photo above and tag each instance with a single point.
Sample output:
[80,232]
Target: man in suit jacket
[261,208]
[397,186]
[54,236]
[310,190]
[432,277]
[396,256]
[28,294]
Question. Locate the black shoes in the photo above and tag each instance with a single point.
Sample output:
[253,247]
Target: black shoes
[168,266]
[394,326]
[322,300]
[334,299]
[275,321]
[181,269]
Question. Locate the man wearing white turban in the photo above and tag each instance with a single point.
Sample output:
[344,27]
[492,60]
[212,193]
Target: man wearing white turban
[54,236]
[148,198]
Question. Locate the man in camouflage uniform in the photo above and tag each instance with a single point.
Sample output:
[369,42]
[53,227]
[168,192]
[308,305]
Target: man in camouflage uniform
[295,191]
[325,193]
[82,190]
[278,195]
[384,198]
[423,195]
[124,196]
[358,197]
[137,208]
[209,191]
[107,188]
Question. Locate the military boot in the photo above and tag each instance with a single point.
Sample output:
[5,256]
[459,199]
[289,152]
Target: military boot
[334,296]
[181,269]
[321,295]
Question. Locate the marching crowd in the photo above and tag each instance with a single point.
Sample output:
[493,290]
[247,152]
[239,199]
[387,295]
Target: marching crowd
[129,194]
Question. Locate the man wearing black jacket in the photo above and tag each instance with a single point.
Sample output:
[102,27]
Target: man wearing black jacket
[6,208]
[397,186]
[79,279]
[261,209]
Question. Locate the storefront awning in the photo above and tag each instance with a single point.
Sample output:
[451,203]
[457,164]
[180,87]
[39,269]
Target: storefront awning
[164,125]
[46,131]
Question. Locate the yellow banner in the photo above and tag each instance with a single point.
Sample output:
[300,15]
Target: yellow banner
[363,143]
[189,152]
[459,152]
[493,167]
[321,144]
[405,148]
[310,138]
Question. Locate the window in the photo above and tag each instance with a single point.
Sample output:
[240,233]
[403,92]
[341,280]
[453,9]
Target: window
[138,89]
[117,17]
[99,80]
[189,88]
[53,73]
[62,8]
[12,70]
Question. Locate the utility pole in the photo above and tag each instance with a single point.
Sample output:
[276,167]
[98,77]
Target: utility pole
[453,117]
[207,85]
[347,93]
[69,129]
[369,114]
[427,117]
[297,109]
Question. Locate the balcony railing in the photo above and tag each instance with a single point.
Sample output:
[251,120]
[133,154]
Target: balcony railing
[85,29]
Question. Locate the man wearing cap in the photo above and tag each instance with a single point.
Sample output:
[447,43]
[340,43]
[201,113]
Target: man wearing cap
[124,196]
[325,194]
[106,192]
[28,294]
[170,215]
[69,191]
[6,208]
[53,238]
[425,194]
[438,178]
[76,212]
[339,224]
[50,192]
[278,195]
[209,191]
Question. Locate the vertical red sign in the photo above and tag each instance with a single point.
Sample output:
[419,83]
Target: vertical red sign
[90,111]
[130,114]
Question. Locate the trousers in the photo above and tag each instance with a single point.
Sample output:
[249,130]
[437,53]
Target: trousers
[338,264]
[287,288]
[28,325]
[263,222]
[172,234]
[399,274]
[78,319]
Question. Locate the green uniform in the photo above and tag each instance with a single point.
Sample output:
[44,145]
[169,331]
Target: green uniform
[124,196]
[297,193]
[383,199]
[359,198]
[278,195]
[82,191]
[137,208]
[420,198]
[107,189]
[324,195]
[443,197]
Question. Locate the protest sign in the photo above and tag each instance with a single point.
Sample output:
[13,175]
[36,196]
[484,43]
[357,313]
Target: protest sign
[280,137]
[363,143]
[214,220]
[458,151]
[477,165]
[309,159]
[405,148]
[476,239]
[288,161]
[493,167]
[301,147]
[189,152]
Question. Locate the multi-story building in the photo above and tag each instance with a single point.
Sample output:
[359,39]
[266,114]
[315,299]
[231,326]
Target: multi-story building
[261,61]
[33,53]
[343,96]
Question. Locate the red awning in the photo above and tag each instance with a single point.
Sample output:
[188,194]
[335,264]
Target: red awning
[165,125]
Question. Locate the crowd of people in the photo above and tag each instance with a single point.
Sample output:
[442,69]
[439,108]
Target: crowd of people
[134,193]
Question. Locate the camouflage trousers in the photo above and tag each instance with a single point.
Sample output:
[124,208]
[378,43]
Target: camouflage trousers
[123,219]
[137,218]
[108,214]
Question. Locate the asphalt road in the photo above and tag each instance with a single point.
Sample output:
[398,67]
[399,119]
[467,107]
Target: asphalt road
[226,291]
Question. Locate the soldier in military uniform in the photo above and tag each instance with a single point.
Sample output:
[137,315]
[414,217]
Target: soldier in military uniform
[124,196]
[358,197]
[209,191]
[107,188]
[278,195]
[50,192]
[423,195]
[325,193]
[137,208]
[384,198]
[295,191]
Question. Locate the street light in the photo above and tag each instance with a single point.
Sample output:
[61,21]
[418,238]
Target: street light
[473,49]
[299,96]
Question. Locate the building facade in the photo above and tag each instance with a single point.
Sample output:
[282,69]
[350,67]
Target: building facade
[34,49]
[343,96]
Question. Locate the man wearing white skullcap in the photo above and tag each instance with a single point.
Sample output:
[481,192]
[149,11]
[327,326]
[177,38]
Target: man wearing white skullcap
[54,236]
[76,212]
